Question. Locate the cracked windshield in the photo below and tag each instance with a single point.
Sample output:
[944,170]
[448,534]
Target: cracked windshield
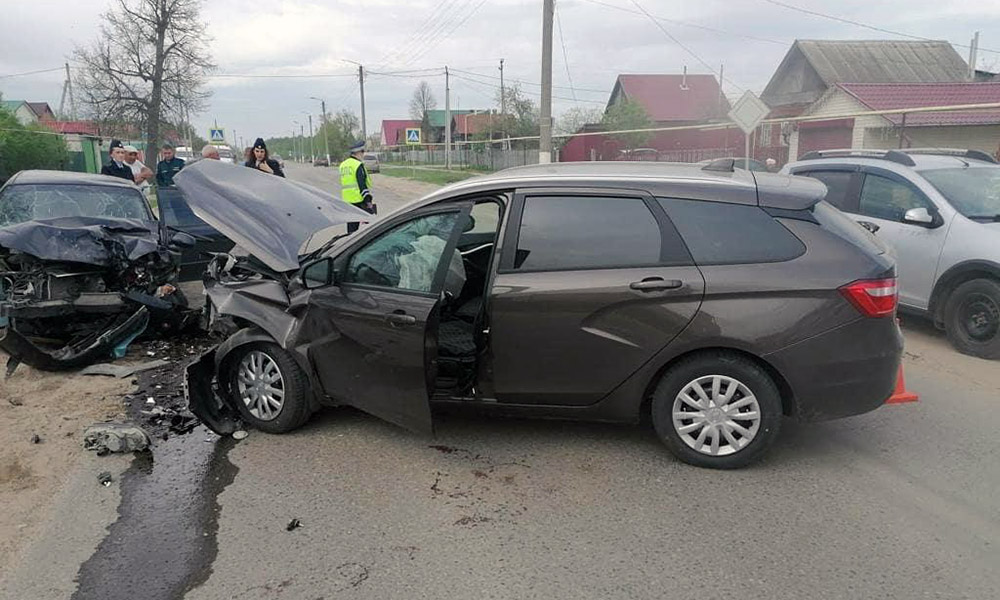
[499,299]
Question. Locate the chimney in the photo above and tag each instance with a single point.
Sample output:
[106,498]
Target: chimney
[684,81]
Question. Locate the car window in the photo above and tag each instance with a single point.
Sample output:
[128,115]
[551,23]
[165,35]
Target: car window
[973,192]
[175,211]
[721,234]
[838,186]
[485,216]
[21,203]
[884,198]
[560,233]
[406,257]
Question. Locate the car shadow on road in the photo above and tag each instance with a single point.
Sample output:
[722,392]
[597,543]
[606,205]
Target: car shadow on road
[479,433]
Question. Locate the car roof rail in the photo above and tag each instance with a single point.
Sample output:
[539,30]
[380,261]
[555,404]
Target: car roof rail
[892,155]
[957,152]
[721,165]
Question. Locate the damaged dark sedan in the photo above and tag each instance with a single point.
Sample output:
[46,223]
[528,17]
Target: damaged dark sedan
[714,301]
[85,268]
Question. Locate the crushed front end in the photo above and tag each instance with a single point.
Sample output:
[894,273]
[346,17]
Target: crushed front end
[60,314]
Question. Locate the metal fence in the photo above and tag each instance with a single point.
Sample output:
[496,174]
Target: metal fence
[482,156]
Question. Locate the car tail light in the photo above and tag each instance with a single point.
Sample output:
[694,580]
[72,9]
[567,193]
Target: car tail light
[873,297]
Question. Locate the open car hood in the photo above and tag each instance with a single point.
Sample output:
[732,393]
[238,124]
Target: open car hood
[82,239]
[269,217]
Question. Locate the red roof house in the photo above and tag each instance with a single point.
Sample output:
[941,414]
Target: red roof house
[669,101]
[970,129]
[393,130]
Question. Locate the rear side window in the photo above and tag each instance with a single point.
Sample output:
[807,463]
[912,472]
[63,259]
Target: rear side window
[561,233]
[730,234]
[838,185]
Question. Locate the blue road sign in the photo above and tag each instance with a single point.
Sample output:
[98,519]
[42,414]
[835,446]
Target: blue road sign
[413,136]
[216,135]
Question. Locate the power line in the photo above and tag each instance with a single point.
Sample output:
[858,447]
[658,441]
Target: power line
[680,44]
[694,25]
[531,83]
[562,42]
[535,94]
[32,72]
[275,76]
[420,32]
[431,43]
[865,25]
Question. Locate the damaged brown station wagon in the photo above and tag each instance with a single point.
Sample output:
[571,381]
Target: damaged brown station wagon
[714,300]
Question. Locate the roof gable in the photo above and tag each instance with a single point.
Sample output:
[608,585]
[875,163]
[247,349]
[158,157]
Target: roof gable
[392,128]
[810,67]
[669,97]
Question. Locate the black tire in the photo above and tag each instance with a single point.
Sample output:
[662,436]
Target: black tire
[754,379]
[972,318]
[294,410]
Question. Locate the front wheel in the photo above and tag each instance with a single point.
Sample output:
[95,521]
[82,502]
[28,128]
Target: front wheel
[718,410]
[268,388]
[972,318]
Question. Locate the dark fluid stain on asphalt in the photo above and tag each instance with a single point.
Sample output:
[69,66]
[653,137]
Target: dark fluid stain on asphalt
[164,541]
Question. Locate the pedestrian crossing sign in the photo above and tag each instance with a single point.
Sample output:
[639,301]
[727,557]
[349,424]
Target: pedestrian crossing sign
[216,135]
[413,136]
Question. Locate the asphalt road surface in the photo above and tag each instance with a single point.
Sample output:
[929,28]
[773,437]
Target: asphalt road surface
[898,503]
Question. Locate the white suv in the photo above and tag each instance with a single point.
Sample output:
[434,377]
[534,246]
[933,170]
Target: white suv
[940,211]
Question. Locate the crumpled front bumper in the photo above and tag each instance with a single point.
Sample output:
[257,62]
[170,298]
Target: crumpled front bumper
[203,398]
[67,357]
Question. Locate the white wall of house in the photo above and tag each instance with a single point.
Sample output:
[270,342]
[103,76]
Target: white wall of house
[978,137]
[25,115]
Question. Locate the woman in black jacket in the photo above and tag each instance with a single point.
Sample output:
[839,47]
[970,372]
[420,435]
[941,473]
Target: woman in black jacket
[262,160]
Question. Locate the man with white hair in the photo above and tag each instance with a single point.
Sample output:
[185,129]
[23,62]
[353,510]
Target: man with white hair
[140,172]
[210,152]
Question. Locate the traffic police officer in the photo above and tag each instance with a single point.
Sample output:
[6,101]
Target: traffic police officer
[117,166]
[355,187]
[168,167]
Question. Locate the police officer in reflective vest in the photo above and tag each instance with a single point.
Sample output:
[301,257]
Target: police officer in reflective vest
[355,186]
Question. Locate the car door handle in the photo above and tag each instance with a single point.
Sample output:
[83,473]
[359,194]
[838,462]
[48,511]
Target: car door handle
[651,284]
[400,318]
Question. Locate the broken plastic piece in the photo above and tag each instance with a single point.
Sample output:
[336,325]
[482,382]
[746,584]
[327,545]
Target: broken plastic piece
[240,435]
[105,478]
[123,371]
[115,437]
[293,524]
[35,439]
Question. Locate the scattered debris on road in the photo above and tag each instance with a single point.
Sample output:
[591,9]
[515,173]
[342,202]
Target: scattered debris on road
[105,438]
[105,478]
[240,435]
[15,402]
[35,439]
[123,371]
[293,525]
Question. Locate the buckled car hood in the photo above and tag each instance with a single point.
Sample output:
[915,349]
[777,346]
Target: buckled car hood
[269,217]
[86,240]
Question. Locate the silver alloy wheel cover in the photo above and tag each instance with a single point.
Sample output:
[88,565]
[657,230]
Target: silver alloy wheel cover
[716,415]
[260,385]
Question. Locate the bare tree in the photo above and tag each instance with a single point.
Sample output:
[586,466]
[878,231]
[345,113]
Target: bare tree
[148,66]
[422,102]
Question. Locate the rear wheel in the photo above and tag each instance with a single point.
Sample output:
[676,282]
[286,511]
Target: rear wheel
[972,318]
[268,388]
[717,410]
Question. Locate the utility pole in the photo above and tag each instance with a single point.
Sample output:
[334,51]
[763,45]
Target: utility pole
[67,91]
[503,103]
[722,71]
[312,141]
[361,82]
[545,121]
[973,58]
[326,131]
[447,119]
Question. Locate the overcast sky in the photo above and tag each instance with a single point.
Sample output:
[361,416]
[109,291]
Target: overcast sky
[601,37]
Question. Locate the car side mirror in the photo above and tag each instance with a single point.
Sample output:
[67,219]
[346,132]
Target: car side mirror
[919,216]
[318,274]
[179,239]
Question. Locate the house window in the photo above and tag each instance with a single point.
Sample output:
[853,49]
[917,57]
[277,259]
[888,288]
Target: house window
[765,135]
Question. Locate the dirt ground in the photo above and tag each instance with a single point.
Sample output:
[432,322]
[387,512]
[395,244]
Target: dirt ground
[56,408]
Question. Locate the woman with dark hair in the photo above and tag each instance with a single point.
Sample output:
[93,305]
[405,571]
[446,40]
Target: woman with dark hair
[261,160]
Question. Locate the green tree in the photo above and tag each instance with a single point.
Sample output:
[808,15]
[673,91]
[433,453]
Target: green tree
[628,114]
[521,113]
[31,147]
[573,120]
